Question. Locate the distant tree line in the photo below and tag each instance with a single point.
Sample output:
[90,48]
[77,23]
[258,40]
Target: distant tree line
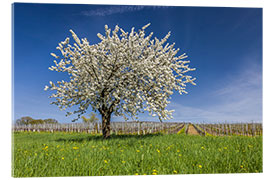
[27,120]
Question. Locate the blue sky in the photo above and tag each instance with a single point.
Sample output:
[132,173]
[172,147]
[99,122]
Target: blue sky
[223,44]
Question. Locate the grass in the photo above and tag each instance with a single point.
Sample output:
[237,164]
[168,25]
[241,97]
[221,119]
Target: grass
[80,154]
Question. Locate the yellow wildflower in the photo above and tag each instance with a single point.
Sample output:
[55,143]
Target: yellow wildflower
[174,171]
[123,162]
[106,161]
[75,148]
[241,166]
[178,150]
[154,173]
[63,158]
[202,147]
[200,166]
[136,174]
[225,148]
[138,150]
[158,150]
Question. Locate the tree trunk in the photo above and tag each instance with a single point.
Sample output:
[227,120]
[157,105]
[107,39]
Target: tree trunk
[106,127]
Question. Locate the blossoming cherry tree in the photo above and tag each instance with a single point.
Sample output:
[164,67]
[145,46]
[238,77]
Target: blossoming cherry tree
[124,74]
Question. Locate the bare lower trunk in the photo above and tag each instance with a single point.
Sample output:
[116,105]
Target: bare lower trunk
[106,127]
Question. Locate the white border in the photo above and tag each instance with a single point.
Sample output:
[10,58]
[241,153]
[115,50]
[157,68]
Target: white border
[6,79]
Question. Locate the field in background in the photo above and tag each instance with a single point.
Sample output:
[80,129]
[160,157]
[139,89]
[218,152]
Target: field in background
[247,129]
[83,154]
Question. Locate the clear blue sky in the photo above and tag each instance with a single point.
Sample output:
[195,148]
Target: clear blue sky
[223,44]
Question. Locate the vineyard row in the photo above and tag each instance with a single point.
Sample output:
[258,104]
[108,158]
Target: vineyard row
[249,129]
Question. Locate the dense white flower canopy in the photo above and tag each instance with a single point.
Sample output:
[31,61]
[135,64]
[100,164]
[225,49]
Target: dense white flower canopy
[125,74]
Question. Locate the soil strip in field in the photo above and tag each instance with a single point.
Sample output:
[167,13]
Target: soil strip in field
[192,130]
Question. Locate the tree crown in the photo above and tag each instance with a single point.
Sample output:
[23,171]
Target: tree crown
[122,74]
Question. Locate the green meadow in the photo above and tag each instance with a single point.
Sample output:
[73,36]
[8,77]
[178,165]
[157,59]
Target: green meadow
[81,154]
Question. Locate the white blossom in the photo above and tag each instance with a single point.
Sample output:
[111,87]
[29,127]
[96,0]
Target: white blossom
[46,88]
[124,74]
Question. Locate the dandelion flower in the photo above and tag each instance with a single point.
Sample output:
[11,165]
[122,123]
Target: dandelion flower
[63,158]
[136,174]
[200,166]
[174,171]
[75,148]
[158,150]
[106,161]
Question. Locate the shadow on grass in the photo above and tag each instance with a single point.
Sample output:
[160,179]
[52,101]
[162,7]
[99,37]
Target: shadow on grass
[112,137]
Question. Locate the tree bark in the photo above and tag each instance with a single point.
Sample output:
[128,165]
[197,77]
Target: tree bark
[106,125]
